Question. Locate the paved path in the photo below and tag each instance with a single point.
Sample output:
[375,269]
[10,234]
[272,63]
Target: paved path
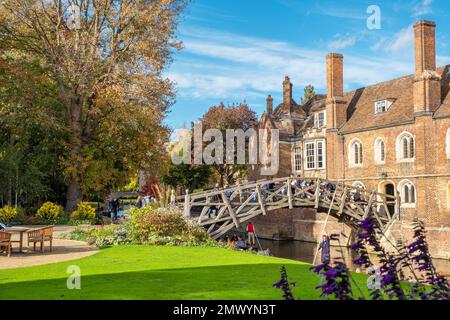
[63,250]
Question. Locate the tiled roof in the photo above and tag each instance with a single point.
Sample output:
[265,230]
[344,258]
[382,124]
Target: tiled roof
[361,103]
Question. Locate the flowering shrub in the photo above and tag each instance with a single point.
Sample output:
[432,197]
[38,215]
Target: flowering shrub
[50,211]
[7,214]
[84,212]
[426,284]
[284,285]
[147,226]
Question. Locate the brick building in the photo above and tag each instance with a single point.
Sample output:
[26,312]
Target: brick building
[390,137]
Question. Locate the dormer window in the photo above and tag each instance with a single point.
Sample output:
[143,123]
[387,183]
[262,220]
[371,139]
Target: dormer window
[382,105]
[320,120]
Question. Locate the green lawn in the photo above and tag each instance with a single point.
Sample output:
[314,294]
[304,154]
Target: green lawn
[148,272]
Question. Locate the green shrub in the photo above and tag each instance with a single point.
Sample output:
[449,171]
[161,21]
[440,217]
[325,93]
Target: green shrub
[7,214]
[84,212]
[147,226]
[147,222]
[50,211]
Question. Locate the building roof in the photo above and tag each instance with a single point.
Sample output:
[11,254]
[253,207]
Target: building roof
[361,106]
[361,103]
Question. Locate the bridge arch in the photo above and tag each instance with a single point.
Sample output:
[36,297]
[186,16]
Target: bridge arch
[235,206]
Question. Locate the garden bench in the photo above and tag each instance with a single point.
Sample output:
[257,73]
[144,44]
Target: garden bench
[40,236]
[5,242]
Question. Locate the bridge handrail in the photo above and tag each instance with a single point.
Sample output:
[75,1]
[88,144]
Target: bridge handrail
[211,193]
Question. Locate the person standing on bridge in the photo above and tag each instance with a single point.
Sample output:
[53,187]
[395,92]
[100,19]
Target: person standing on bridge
[251,234]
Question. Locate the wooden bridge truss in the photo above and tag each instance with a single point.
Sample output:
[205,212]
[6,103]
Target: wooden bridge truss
[237,205]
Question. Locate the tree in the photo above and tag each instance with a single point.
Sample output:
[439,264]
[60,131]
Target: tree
[187,176]
[232,117]
[30,135]
[106,60]
[308,94]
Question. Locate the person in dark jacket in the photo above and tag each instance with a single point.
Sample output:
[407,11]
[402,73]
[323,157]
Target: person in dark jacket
[325,247]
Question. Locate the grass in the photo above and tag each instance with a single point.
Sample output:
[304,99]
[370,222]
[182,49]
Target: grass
[160,273]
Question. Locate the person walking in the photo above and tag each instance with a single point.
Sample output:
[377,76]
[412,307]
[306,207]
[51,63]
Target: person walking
[251,234]
[325,247]
[173,198]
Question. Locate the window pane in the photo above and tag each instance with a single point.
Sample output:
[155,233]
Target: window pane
[297,159]
[319,154]
[360,153]
[405,148]
[411,146]
[413,194]
[382,155]
[406,194]
[356,153]
[310,156]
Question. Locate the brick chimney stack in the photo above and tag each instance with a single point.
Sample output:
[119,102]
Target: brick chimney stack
[287,94]
[427,82]
[336,106]
[269,101]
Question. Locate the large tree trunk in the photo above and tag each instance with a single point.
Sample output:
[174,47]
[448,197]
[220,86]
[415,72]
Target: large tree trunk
[74,195]
[73,118]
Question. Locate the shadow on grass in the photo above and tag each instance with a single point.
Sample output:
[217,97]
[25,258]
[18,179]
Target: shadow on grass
[253,281]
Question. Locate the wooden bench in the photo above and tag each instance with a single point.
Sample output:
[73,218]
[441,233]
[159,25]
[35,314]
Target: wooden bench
[40,236]
[5,242]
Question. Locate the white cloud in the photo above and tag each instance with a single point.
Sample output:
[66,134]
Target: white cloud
[342,42]
[402,42]
[423,7]
[404,39]
[229,66]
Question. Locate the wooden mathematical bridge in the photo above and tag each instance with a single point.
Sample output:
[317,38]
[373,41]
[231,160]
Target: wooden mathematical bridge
[220,211]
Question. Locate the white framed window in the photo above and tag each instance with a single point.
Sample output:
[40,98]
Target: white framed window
[380,151]
[297,159]
[315,154]
[310,155]
[408,194]
[320,119]
[382,105]
[355,153]
[405,147]
[320,155]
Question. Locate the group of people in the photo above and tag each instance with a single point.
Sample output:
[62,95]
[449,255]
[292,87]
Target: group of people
[144,200]
[238,242]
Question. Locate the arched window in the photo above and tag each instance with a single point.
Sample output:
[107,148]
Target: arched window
[355,152]
[359,184]
[407,192]
[447,144]
[380,151]
[405,147]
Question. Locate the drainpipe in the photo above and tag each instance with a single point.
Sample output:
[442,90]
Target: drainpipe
[342,141]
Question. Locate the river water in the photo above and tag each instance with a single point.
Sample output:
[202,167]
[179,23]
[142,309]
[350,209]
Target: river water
[305,251]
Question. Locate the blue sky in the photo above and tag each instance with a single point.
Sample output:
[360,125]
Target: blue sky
[236,50]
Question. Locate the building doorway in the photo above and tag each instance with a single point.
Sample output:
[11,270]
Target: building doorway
[388,187]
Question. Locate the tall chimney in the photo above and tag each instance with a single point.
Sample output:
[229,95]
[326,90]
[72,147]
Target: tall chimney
[427,85]
[269,101]
[287,94]
[336,106]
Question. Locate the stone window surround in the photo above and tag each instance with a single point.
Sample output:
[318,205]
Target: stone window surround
[399,147]
[351,153]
